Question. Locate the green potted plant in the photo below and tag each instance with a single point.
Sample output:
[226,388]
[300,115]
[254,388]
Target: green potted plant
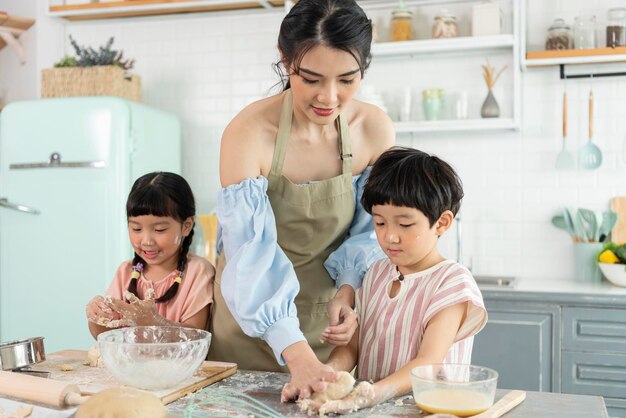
[101,72]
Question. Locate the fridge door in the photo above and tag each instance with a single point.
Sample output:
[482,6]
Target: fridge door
[67,159]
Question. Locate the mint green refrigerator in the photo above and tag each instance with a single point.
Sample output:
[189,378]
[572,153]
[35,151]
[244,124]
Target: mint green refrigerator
[66,167]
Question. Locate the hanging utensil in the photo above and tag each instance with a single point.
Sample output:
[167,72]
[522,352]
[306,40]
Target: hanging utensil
[589,155]
[564,160]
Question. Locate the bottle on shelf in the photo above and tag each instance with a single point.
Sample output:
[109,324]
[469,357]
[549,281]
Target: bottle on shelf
[559,36]
[445,25]
[616,27]
[585,32]
[401,24]
[432,100]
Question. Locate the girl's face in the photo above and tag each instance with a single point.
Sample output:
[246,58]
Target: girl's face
[327,81]
[157,239]
[404,234]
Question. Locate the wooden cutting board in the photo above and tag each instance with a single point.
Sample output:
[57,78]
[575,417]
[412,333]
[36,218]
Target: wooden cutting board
[92,380]
[618,205]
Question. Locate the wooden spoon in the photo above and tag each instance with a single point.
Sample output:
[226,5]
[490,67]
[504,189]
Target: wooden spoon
[504,405]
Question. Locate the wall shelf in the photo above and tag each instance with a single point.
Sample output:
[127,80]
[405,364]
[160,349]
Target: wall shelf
[457,125]
[576,56]
[11,27]
[427,46]
[133,8]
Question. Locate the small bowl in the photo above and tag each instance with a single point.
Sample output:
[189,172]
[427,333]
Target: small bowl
[459,389]
[155,357]
[615,273]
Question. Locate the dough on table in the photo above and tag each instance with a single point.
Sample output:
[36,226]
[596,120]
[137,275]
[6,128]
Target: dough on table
[334,390]
[94,359]
[122,402]
[21,412]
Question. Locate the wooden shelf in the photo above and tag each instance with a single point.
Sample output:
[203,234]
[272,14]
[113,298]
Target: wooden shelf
[427,46]
[11,27]
[457,125]
[576,56]
[132,8]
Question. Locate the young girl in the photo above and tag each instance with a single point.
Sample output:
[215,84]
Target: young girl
[415,307]
[163,284]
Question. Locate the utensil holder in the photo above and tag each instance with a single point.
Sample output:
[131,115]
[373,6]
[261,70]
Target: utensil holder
[586,268]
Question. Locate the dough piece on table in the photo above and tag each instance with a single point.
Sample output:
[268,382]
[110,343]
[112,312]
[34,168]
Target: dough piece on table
[66,367]
[94,359]
[21,412]
[334,391]
[122,402]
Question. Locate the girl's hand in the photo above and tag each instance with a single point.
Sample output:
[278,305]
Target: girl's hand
[341,317]
[99,311]
[362,396]
[137,312]
[308,375]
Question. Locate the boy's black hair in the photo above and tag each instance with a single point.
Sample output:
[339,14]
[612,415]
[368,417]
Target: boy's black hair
[408,177]
[162,194]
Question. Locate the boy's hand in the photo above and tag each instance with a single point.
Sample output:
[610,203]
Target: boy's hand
[362,396]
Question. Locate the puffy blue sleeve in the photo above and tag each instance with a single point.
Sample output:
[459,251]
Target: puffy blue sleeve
[349,263]
[259,283]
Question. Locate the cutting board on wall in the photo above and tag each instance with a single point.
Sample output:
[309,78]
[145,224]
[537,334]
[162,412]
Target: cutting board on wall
[92,380]
[618,233]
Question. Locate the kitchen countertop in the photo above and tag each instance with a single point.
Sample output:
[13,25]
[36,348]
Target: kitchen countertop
[266,386]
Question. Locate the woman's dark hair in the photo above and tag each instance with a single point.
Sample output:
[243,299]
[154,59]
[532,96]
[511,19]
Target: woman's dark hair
[338,24]
[162,194]
[411,178]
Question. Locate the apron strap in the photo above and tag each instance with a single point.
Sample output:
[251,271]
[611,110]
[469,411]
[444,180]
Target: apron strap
[284,130]
[345,151]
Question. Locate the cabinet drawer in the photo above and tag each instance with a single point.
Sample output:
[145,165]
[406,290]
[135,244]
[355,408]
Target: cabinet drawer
[616,407]
[594,374]
[594,329]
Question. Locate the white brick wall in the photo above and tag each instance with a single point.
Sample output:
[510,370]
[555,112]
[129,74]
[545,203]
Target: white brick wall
[206,67]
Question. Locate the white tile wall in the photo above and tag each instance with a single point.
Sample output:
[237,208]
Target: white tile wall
[206,67]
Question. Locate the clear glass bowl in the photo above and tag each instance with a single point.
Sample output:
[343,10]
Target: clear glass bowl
[459,389]
[155,357]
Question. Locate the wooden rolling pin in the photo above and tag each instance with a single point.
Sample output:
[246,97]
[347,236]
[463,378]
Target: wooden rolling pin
[37,389]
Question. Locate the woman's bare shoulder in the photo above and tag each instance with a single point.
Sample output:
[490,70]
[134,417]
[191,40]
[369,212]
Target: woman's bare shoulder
[375,128]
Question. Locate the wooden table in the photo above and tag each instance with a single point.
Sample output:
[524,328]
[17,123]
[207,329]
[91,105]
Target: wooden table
[266,387]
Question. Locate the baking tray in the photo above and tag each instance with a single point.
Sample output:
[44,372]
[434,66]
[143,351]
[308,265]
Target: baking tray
[16,355]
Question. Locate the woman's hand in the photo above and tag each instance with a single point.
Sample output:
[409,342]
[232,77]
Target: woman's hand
[341,317]
[362,396]
[308,375]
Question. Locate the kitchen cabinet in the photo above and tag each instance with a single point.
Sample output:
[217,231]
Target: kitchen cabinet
[127,8]
[436,63]
[558,342]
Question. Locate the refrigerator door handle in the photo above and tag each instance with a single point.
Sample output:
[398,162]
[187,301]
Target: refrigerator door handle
[4,202]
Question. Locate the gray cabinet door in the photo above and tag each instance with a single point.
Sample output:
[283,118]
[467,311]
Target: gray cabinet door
[521,342]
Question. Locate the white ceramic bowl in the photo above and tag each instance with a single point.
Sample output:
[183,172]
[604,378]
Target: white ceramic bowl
[615,273]
[459,389]
[153,358]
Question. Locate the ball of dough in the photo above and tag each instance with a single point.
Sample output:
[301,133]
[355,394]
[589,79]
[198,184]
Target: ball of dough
[338,389]
[122,402]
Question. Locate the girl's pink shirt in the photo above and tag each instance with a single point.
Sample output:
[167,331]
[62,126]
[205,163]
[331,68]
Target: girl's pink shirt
[194,292]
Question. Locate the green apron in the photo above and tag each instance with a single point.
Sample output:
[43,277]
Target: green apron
[311,221]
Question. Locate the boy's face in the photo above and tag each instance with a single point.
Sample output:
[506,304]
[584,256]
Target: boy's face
[405,235]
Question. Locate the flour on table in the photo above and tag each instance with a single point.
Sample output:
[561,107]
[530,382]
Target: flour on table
[94,359]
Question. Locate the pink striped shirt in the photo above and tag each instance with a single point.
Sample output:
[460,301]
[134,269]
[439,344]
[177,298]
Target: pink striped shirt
[391,329]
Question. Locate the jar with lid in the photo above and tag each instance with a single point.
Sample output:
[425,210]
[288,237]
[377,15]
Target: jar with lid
[585,32]
[445,25]
[401,25]
[432,101]
[616,27]
[559,36]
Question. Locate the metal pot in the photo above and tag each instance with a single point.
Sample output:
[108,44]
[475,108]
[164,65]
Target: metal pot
[23,353]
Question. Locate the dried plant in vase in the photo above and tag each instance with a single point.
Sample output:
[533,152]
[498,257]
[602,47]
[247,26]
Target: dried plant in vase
[490,108]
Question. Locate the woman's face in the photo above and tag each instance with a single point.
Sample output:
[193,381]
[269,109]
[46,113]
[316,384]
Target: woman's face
[327,80]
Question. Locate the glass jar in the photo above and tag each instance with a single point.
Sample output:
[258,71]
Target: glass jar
[432,101]
[616,27]
[401,25]
[585,32]
[445,25]
[559,36]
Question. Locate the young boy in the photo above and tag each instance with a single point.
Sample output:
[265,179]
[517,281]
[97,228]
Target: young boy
[415,307]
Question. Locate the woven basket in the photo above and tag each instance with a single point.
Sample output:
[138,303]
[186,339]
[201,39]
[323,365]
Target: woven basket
[106,80]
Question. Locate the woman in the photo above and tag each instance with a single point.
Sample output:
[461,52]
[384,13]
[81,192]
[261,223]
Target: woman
[295,241]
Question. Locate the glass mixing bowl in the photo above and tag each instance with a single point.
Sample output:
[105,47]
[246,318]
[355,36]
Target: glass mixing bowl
[459,389]
[154,357]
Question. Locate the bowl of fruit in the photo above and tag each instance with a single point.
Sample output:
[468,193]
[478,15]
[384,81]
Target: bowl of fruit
[612,263]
